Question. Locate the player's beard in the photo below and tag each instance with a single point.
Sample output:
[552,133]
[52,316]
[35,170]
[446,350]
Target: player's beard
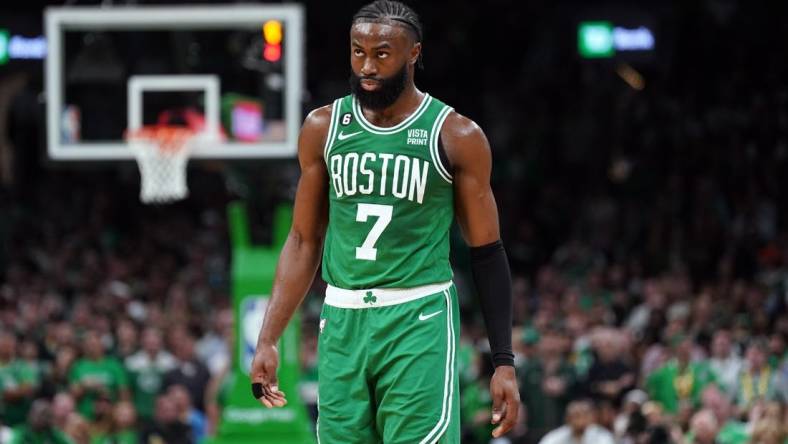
[385,96]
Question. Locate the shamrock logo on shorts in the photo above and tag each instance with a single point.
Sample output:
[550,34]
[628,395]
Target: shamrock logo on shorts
[370,298]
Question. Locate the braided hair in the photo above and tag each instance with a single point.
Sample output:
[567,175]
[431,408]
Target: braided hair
[391,13]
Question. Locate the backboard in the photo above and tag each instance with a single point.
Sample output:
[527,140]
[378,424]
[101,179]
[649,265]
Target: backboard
[237,69]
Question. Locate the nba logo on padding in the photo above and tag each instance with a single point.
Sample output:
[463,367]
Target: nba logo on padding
[252,314]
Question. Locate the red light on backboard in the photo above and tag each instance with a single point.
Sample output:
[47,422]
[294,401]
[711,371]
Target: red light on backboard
[272,53]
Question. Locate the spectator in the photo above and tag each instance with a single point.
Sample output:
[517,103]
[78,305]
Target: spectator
[18,383]
[731,430]
[78,429]
[724,360]
[677,385]
[28,357]
[475,415]
[126,334]
[217,394]
[6,433]
[51,341]
[96,374]
[213,348]
[769,425]
[703,428]
[546,385]
[101,426]
[66,335]
[609,377]
[777,350]
[166,426]
[62,408]
[124,429]
[186,411]
[641,317]
[39,427]
[147,369]
[783,379]
[61,368]
[580,427]
[625,423]
[757,381]
[190,372]
[654,414]
[526,346]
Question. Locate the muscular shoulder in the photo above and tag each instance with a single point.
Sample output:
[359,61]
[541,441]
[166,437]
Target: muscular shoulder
[318,119]
[463,140]
[315,130]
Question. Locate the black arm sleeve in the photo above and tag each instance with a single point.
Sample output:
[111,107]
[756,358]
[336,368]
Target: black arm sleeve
[494,286]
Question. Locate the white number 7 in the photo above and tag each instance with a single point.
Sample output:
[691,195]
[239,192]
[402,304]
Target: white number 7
[367,250]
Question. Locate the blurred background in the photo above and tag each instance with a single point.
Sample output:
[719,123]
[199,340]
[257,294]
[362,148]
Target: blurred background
[640,149]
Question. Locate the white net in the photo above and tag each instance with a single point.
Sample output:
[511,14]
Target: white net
[162,155]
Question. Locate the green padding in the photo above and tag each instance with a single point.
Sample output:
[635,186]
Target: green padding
[244,419]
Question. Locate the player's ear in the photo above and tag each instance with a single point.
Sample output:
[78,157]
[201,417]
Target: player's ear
[415,51]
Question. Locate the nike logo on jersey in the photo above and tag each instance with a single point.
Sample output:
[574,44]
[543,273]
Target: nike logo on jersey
[422,317]
[343,136]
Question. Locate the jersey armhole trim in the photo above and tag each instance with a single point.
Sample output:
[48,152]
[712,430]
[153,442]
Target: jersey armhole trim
[332,129]
[436,131]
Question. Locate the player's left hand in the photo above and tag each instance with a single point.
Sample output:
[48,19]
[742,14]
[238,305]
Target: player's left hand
[505,398]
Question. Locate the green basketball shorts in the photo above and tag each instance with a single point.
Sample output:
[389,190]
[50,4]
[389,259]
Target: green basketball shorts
[387,371]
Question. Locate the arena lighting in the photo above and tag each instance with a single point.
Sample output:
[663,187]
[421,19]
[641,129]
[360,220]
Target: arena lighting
[639,39]
[630,75]
[272,32]
[27,47]
[272,53]
[19,47]
[600,39]
[595,39]
[3,46]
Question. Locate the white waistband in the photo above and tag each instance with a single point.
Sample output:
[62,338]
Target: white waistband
[379,297]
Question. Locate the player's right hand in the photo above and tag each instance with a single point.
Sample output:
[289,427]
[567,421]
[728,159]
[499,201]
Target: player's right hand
[263,372]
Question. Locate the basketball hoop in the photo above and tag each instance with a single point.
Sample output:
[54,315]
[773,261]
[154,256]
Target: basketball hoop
[162,152]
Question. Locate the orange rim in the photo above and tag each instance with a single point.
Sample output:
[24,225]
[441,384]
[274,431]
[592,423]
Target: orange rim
[165,137]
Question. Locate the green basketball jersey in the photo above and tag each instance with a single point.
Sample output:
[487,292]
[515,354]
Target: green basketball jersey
[391,201]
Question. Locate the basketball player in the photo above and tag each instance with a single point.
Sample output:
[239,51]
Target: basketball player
[383,173]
